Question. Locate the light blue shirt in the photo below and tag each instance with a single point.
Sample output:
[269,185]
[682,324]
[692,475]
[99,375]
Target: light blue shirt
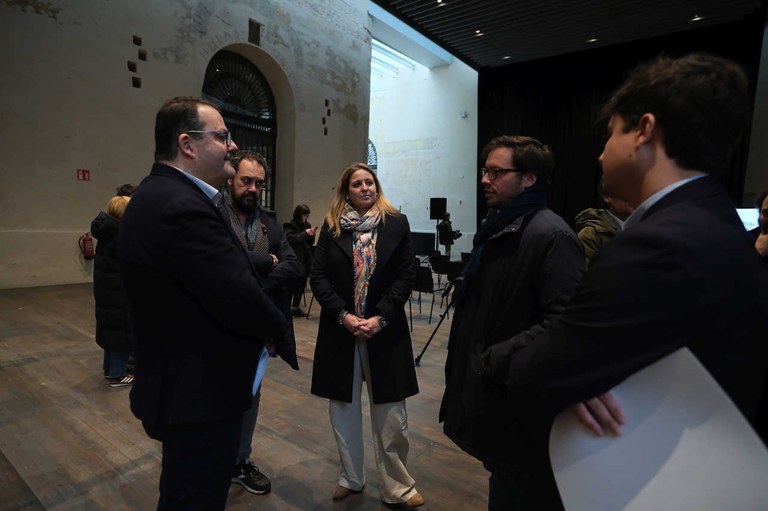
[638,214]
[616,219]
[207,189]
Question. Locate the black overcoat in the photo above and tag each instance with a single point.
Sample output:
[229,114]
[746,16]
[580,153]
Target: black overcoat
[390,353]
[114,326]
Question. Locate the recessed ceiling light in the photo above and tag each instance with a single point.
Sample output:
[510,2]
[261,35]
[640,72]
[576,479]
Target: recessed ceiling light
[506,57]
[697,17]
[478,33]
[593,40]
[439,1]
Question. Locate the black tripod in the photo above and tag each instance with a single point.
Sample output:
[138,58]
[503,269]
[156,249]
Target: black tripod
[454,285]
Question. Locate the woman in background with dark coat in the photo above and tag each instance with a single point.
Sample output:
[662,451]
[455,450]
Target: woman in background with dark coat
[362,275]
[114,327]
[301,237]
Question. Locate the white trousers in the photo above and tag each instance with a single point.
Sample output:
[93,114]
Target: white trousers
[389,424]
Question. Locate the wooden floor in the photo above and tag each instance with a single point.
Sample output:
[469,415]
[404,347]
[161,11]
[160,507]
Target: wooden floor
[69,442]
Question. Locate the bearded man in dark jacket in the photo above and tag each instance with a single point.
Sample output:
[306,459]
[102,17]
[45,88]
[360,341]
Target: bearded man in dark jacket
[526,263]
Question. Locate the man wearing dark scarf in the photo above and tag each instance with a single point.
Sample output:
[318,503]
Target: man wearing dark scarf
[526,263]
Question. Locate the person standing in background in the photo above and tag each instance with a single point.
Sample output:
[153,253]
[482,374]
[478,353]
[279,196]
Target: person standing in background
[596,227]
[446,234]
[126,190]
[301,236]
[114,326]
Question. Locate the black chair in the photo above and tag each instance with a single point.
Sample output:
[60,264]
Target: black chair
[439,264]
[423,284]
[454,269]
[466,256]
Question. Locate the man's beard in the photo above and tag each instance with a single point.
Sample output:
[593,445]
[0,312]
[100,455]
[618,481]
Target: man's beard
[246,202]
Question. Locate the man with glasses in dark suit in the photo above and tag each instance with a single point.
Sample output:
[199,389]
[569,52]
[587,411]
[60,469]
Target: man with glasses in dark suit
[200,315]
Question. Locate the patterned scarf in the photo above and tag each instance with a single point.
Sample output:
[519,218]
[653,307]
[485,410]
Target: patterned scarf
[363,249]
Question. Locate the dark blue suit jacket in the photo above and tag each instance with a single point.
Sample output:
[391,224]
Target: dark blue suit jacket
[685,275]
[198,307]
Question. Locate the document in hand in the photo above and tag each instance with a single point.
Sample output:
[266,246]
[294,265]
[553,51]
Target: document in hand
[685,447]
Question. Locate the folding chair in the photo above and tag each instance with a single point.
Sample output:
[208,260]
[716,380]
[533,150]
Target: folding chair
[423,284]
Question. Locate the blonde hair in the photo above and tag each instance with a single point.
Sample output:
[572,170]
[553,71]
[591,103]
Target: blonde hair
[340,200]
[116,206]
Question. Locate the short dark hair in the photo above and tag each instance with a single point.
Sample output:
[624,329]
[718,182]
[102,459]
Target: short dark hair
[528,154]
[701,103]
[299,210]
[125,190]
[251,156]
[760,198]
[177,115]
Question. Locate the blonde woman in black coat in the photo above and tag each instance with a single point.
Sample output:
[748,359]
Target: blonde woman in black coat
[114,327]
[362,275]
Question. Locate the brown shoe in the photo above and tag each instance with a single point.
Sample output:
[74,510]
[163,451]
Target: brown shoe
[342,492]
[415,501]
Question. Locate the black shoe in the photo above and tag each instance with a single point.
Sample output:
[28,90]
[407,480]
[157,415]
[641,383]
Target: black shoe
[296,311]
[125,381]
[248,476]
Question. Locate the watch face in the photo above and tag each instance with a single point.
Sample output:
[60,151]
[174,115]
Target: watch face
[383,321]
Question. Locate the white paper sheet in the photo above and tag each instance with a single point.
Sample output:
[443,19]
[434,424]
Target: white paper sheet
[685,447]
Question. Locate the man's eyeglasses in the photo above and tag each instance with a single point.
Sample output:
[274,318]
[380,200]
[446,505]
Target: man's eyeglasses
[223,135]
[248,181]
[493,172]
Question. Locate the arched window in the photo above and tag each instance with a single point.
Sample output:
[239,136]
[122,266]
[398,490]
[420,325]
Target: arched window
[237,87]
[373,159]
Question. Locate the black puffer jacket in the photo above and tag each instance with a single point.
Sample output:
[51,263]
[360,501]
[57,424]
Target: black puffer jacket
[114,326]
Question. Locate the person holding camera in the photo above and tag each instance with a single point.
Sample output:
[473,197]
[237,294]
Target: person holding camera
[446,234]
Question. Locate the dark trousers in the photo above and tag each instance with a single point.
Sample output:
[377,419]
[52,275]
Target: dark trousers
[247,427]
[197,465]
[297,290]
[518,489]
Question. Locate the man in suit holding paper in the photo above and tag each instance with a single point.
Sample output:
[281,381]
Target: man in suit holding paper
[200,314]
[681,274]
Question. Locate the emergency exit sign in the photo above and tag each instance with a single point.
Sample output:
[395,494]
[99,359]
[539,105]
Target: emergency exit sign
[83,175]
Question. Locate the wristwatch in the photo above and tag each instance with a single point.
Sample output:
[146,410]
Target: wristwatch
[383,321]
[342,314]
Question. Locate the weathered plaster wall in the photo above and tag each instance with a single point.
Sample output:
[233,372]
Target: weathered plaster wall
[424,126]
[67,102]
